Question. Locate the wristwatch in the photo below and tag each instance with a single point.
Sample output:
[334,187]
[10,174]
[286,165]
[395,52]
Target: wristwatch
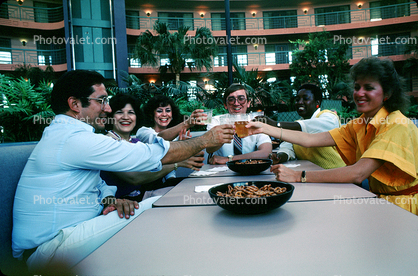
[230,157]
[303,177]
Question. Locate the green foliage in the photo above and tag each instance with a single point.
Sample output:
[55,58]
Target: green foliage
[411,63]
[321,57]
[263,95]
[25,110]
[413,111]
[177,47]
[35,74]
[347,114]
[143,92]
[413,108]
[281,93]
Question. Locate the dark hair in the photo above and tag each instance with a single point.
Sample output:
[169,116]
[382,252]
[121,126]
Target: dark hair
[232,88]
[160,101]
[118,102]
[316,91]
[78,84]
[385,73]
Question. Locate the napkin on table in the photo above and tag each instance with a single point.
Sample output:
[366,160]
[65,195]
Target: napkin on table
[204,188]
[201,173]
[210,171]
[292,165]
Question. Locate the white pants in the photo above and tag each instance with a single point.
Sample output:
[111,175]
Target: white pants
[158,192]
[73,244]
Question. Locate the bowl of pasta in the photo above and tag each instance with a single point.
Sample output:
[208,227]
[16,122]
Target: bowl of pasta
[252,197]
[249,166]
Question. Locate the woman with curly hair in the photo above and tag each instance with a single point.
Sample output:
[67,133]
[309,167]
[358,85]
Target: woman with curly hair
[162,117]
[381,145]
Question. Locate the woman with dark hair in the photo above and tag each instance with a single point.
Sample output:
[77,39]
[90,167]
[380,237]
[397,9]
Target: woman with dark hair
[381,145]
[161,101]
[162,117]
[122,122]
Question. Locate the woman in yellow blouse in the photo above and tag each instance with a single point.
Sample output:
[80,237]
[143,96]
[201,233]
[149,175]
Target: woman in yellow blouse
[381,145]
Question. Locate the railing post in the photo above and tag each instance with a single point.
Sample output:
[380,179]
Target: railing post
[1,134]
[228,43]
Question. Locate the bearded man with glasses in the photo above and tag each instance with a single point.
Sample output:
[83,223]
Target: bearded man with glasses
[258,146]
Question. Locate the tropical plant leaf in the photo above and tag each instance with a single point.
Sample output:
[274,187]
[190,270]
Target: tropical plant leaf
[176,48]
[22,108]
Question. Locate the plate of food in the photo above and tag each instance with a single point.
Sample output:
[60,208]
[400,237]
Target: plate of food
[252,197]
[249,166]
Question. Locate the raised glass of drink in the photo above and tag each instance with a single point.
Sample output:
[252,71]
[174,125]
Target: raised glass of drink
[240,121]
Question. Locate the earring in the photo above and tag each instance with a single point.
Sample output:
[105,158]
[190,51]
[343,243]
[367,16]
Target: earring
[317,106]
[385,99]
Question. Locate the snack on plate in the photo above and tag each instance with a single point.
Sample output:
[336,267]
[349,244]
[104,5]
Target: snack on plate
[252,191]
[249,161]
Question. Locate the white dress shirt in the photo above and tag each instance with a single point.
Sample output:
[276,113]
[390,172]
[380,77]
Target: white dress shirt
[61,186]
[325,122]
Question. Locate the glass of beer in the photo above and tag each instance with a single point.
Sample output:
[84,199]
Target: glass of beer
[240,121]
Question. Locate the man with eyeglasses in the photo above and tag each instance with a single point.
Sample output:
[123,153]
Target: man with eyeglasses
[63,210]
[256,146]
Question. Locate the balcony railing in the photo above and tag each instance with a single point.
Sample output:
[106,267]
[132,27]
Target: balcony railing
[283,22]
[32,57]
[51,15]
[34,14]
[285,57]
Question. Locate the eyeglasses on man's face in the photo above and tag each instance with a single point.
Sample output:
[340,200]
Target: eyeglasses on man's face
[103,101]
[240,99]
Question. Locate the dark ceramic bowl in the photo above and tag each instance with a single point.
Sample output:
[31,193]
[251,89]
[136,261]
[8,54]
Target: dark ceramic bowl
[251,205]
[240,167]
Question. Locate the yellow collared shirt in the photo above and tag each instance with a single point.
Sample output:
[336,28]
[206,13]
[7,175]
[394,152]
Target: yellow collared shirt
[391,137]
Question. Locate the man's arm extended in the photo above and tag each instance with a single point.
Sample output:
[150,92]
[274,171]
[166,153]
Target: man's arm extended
[285,125]
[181,150]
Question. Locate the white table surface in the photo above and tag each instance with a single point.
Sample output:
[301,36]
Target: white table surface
[367,236]
[301,165]
[183,194]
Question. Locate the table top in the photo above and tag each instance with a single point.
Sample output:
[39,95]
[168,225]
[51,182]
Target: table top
[367,236]
[297,165]
[183,194]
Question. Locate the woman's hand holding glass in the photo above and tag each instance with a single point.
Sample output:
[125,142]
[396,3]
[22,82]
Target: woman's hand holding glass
[198,117]
[256,128]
